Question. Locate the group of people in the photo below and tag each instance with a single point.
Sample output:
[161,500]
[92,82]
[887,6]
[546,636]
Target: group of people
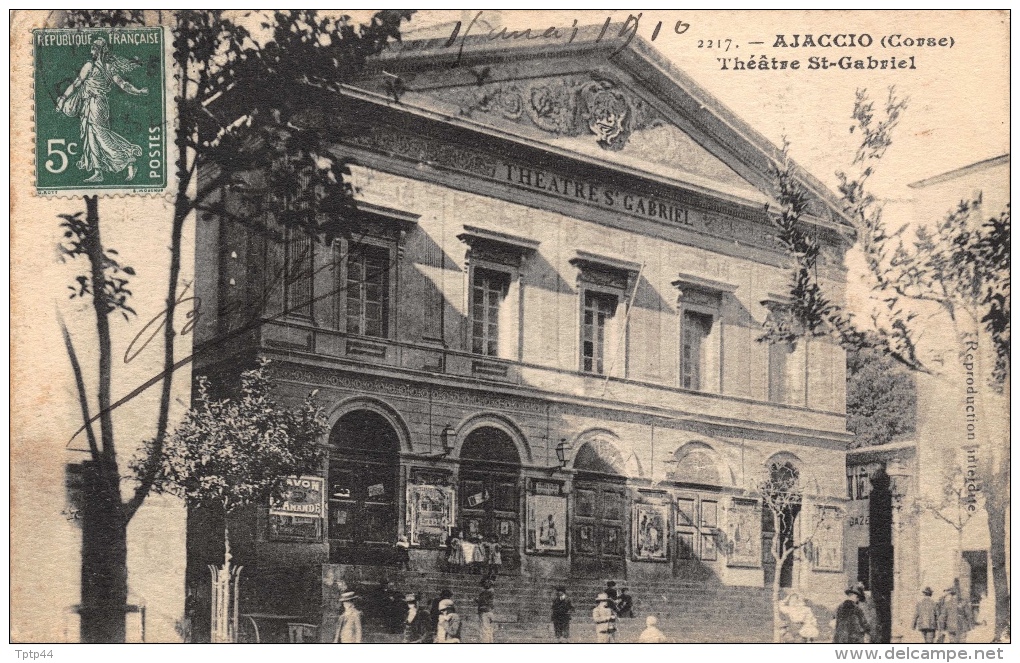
[946,620]
[474,553]
[610,605]
[439,623]
[949,619]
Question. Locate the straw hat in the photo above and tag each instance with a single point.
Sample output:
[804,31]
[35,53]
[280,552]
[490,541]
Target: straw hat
[347,597]
[444,604]
[602,597]
[410,598]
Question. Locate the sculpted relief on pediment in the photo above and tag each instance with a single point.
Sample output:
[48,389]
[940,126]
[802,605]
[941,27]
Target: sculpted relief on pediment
[571,106]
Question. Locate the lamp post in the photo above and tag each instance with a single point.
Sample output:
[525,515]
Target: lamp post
[563,452]
[448,437]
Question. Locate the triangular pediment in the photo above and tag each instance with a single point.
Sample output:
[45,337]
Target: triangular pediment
[623,106]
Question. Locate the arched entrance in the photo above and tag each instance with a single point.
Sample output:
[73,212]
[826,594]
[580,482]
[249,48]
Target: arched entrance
[364,468]
[600,512]
[490,502]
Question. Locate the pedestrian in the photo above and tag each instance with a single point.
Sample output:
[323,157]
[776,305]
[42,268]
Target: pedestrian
[652,634]
[954,618]
[604,617]
[455,552]
[625,604]
[448,628]
[562,609]
[486,617]
[402,553]
[870,612]
[348,627]
[851,626]
[417,623]
[924,616]
[434,609]
[612,593]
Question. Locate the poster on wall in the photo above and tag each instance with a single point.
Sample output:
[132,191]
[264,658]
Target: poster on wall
[743,530]
[547,524]
[827,544]
[649,528]
[298,514]
[429,514]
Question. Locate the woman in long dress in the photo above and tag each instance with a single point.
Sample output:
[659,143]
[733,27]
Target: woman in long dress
[88,98]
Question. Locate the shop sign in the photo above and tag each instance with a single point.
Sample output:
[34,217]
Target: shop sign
[299,512]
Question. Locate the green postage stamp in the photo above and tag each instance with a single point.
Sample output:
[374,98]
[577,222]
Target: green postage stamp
[102,120]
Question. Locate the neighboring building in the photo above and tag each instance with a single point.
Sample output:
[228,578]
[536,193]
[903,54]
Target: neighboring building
[958,435]
[545,334]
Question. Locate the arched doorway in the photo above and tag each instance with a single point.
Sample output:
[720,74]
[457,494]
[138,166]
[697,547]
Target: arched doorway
[364,468]
[600,512]
[490,503]
[782,504]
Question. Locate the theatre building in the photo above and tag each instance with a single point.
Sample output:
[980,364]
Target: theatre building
[542,338]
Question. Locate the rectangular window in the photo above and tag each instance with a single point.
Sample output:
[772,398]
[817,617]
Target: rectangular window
[599,309]
[696,328]
[297,273]
[367,290]
[488,290]
[778,372]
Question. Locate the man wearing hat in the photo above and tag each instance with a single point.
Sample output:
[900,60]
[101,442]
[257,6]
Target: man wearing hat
[348,626]
[562,609]
[851,626]
[954,618]
[448,629]
[418,623]
[604,617]
[924,616]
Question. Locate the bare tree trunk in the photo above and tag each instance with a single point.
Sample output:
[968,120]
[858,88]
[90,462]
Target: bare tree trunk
[103,561]
[996,504]
[777,581]
[104,526]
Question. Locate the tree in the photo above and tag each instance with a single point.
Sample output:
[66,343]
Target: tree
[955,505]
[951,271]
[266,155]
[881,398]
[782,496]
[232,453]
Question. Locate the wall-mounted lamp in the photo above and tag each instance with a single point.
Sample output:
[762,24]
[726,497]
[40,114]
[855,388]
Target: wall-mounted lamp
[448,437]
[563,452]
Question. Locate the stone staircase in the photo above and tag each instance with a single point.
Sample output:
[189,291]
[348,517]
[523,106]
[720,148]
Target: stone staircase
[688,611]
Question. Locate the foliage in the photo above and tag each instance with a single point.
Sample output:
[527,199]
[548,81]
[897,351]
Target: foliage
[955,263]
[233,452]
[881,398]
[253,110]
[78,232]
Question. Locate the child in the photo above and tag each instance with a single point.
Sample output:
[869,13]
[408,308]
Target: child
[652,634]
[403,553]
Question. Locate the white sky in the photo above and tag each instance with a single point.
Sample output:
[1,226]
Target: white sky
[959,97]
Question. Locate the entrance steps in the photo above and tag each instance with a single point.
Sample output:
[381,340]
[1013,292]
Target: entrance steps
[688,611]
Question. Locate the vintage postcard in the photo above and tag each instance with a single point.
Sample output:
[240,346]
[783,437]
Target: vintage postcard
[494,326]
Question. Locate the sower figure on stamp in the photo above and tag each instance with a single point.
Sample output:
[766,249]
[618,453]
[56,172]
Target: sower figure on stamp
[88,98]
[604,617]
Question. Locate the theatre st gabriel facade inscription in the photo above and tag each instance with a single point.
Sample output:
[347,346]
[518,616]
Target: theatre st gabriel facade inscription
[542,338]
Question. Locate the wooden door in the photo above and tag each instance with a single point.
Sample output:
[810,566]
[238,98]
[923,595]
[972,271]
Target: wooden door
[600,529]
